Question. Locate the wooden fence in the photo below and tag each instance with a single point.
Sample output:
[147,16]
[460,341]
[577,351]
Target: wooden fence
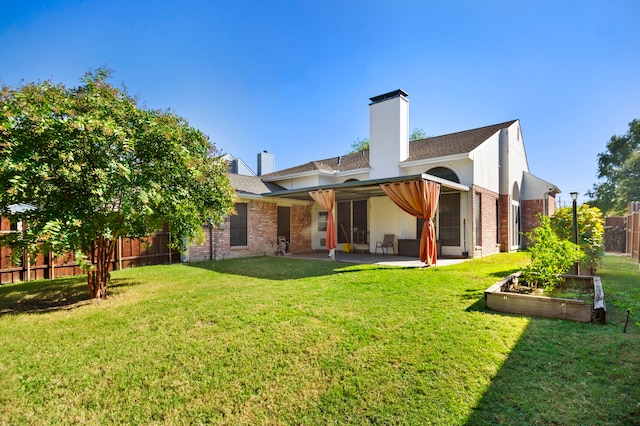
[633,230]
[129,252]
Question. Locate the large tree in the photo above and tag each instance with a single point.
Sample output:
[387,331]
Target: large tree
[619,172]
[96,166]
[363,144]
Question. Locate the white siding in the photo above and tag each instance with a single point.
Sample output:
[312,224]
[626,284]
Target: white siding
[486,169]
[389,133]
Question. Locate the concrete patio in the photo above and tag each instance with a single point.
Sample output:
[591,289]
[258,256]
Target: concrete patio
[375,259]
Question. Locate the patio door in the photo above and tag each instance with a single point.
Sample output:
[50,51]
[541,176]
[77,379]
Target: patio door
[353,225]
[284,222]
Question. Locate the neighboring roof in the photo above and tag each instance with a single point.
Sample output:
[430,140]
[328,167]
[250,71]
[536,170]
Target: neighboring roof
[422,149]
[251,185]
[20,208]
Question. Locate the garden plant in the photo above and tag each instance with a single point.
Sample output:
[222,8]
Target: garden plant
[551,257]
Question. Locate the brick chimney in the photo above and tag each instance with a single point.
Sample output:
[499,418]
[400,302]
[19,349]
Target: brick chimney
[388,133]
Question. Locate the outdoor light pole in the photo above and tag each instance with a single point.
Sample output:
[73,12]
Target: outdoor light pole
[574,197]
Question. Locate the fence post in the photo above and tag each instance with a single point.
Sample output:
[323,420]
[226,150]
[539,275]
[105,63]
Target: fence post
[52,261]
[26,252]
[119,253]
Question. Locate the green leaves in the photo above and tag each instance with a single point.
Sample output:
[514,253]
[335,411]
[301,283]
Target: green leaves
[590,231]
[619,169]
[97,165]
[551,256]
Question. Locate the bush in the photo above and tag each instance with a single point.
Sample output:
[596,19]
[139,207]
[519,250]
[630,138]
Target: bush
[590,232]
[551,257]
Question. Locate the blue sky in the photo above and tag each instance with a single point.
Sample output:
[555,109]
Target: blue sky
[295,77]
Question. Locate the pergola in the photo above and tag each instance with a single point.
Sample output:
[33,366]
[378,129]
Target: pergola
[417,195]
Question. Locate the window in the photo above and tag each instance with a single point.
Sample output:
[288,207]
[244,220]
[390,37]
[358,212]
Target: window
[444,173]
[449,219]
[238,224]
[478,220]
[515,228]
[323,219]
[515,216]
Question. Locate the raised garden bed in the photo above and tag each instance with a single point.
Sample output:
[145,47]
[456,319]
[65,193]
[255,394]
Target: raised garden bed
[587,306]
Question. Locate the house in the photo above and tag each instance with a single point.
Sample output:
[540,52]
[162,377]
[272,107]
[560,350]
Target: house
[487,198]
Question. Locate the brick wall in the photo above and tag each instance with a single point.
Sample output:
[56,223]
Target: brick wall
[262,226]
[505,207]
[489,233]
[301,228]
[201,250]
[529,210]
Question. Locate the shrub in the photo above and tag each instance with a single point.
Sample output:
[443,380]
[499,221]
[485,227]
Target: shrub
[590,232]
[551,257]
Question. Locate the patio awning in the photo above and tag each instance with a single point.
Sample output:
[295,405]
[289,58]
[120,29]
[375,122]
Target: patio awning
[326,199]
[419,198]
[364,189]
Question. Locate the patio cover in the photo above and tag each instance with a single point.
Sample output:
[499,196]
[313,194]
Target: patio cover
[419,198]
[361,190]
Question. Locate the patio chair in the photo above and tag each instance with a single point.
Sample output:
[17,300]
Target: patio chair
[283,246]
[386,242]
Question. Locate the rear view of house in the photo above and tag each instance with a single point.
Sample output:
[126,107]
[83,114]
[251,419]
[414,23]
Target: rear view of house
[487,195]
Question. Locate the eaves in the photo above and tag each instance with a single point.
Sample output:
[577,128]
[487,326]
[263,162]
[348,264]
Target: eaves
[436,160]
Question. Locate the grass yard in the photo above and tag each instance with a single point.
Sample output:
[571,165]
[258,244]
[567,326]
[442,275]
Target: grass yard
[277,340]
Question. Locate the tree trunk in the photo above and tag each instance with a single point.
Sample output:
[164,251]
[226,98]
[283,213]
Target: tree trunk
[97,278]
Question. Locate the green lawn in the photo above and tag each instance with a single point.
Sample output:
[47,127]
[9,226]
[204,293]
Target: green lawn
[285,341]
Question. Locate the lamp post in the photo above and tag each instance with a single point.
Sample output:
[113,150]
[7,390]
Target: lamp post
[574,197]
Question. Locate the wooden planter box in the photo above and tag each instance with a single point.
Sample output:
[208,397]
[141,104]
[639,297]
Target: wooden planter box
[498,299]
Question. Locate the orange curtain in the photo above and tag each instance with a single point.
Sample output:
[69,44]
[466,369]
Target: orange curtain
[419,198]
[327,199]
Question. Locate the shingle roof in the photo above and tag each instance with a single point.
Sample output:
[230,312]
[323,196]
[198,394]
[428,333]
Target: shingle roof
[453,143]
[437,146]
[251,185]
[341,163]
